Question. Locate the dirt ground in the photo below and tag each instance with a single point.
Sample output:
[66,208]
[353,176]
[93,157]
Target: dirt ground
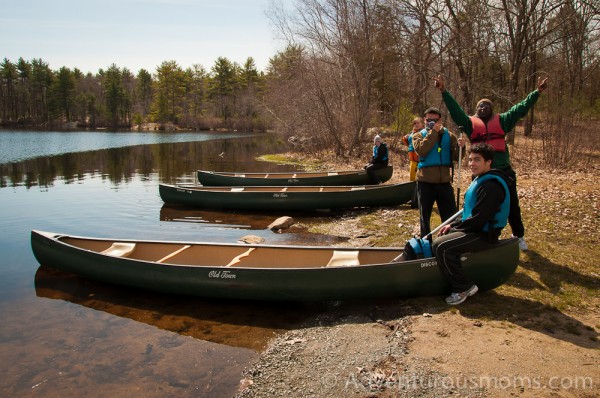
[424,348]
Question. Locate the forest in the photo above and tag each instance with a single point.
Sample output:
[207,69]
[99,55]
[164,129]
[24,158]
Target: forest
[348,66]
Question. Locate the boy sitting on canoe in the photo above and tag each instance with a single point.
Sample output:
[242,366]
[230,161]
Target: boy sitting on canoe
[379,160]
[485,214]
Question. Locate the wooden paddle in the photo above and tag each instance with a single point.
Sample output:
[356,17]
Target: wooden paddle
[461,129]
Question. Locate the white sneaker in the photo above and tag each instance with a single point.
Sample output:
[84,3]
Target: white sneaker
[523,245]
[457,298]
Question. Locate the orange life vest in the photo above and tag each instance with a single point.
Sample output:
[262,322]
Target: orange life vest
[490,132]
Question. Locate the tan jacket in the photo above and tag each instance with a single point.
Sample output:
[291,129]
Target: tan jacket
[422,145]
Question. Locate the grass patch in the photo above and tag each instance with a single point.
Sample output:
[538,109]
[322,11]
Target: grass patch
[289,159]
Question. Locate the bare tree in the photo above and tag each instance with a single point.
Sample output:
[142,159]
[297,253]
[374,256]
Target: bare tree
[338,38]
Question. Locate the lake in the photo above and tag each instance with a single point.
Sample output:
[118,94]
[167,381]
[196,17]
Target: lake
[65,336]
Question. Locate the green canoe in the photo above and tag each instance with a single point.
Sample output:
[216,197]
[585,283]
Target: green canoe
[287,198]
[264,272]
[330,178]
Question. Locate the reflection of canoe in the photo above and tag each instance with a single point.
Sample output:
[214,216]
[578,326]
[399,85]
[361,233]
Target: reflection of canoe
[246,324]
[287,198]
[264,272]
[327,178]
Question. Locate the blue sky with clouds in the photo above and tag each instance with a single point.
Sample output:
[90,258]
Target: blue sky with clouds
[93,34]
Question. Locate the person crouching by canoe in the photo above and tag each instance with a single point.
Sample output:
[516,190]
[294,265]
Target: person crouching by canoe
[485,214]
[379,160]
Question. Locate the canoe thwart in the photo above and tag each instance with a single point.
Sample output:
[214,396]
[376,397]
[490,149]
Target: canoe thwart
[343,258]
[358,188]
[237,189]
[176,252]
[120,249]
[237,259]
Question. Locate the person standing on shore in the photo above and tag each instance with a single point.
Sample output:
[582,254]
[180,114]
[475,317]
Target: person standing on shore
[437,149]
[489,127]
[413,158]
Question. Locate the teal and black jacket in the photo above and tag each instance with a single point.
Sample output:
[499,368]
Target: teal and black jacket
[486,204]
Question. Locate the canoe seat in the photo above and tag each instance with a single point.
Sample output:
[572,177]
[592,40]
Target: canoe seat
[343,258]
[237,259]
[332,173]
[237,189]
[357,188]
[119,249]
[239,175]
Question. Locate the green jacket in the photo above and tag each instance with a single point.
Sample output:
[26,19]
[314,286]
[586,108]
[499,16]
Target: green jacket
[508,120]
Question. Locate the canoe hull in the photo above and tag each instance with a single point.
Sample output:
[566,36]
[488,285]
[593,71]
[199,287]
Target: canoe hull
[488,269]
[336,178]
[292,199]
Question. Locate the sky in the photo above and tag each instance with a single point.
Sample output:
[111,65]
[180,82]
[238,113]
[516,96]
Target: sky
[134,34]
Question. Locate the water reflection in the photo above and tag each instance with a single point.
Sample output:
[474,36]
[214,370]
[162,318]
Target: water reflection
[71,336]
[234,323]
[173,161]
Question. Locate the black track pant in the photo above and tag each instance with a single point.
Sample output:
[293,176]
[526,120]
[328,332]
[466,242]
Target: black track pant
[514,216]
[443,195]
[448,248]
[371,172]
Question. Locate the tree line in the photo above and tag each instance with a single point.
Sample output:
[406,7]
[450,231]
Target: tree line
[31,94]
[348,65]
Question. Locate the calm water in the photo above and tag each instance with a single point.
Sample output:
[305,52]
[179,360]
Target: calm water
[64,336]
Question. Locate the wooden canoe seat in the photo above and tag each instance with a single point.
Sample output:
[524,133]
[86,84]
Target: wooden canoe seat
[357,188]
[239,257]
[332,173]
[119,249]
[240,175]
[237,189]
[344,258]
[176,252]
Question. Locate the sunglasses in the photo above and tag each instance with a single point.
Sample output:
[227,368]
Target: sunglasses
[432,120]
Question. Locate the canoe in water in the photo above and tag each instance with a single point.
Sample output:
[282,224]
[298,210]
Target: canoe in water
[287,198]
[325,178]
[264,272]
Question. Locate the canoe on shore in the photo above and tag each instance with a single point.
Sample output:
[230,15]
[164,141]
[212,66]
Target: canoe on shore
[287,198]
[326,178]
[264,272]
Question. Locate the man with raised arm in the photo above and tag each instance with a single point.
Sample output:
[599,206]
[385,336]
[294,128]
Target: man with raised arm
[489,127]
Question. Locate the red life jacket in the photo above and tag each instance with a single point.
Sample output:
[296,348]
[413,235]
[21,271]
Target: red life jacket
[490,132]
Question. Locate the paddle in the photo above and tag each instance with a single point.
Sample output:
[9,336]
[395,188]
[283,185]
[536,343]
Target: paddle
[442,225]
[461,129]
